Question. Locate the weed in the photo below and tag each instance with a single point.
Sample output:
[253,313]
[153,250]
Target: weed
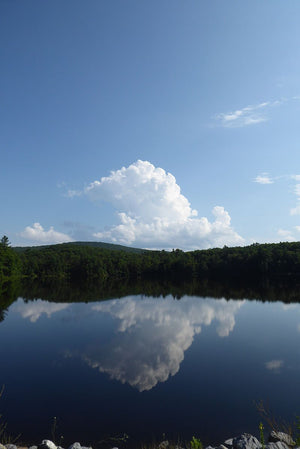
[278,425]
[195,443]
[261,432]
[297,435]
[4,437]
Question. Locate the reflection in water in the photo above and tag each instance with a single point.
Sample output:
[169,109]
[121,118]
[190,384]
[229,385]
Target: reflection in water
[149,336]
[34,310]
[152,336]
[274,365]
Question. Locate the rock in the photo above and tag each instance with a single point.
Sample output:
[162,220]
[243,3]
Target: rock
[228,443]
[75,446]
[163,444]
[33,447]
[47,444]
[278,445]
[209,447]
[281,436]
[2,447]
[11,446]
[246,441]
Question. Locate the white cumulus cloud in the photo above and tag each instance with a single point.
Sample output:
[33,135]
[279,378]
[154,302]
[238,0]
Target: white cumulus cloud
[153,212]
[37,233]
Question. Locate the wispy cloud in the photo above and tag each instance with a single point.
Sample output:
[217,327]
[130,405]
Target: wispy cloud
[286,235]
[264,178]
[249,115]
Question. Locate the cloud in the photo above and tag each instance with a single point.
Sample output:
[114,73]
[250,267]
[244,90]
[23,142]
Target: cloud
[250,115]
[264,178]
[274,365]
[153,212]
[33,310]
[151,337]
[296,210]
[37,233]
[286,234]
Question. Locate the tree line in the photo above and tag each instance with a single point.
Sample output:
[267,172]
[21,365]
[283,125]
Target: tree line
[85,262]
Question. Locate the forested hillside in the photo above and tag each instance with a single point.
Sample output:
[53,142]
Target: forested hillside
[83,262]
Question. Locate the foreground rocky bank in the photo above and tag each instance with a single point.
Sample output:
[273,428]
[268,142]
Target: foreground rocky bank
[276,440]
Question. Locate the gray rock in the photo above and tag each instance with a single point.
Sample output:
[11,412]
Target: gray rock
[281,436]
[1,446]
[47,444]
[11,446]
[246,441]
[75,446]
[163,444]
[228,443]
[278,445]
[210,447]
[33,447]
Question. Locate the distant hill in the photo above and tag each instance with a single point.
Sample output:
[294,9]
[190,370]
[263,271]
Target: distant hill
[103,245]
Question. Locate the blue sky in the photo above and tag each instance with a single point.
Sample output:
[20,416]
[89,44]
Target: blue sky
[162,124]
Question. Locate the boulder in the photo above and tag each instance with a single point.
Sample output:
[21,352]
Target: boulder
[274,437]
[278,445]
[2,447]
[47,444]
[11,446]
[163,444]
[75,446]
[228,443]
[246,441]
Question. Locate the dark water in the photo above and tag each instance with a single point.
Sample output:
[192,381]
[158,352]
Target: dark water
[147,367]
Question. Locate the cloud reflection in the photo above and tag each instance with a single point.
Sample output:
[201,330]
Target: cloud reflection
[34,309]
[274,365]
[152,336]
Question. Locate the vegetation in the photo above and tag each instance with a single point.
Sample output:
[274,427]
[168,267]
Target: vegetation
[195,443]
[79,261]
[9,261]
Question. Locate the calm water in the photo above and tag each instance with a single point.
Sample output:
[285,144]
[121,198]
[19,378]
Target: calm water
[147,366]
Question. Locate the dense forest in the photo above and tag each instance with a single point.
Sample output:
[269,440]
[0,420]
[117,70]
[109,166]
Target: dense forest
[82,262]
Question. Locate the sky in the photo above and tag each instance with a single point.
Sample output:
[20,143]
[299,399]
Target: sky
[162,124]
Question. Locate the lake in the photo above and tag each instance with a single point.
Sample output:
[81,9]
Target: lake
[150,367]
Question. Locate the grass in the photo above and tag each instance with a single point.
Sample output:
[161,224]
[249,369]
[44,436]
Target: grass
[5,438]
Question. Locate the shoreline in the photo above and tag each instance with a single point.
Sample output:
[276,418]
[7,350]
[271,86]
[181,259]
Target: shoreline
[276,440]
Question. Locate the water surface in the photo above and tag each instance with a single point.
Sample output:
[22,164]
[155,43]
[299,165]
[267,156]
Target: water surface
[147,366]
